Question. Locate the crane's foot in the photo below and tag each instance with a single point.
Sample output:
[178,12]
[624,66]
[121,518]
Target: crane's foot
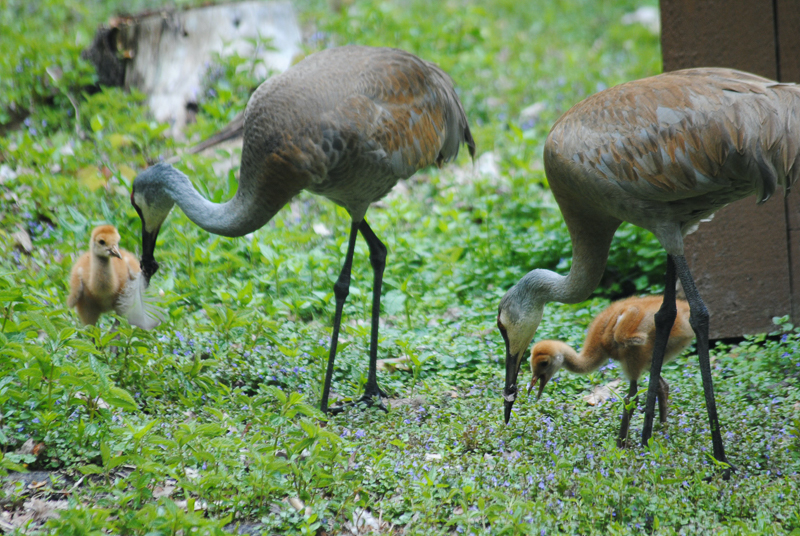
[371,398]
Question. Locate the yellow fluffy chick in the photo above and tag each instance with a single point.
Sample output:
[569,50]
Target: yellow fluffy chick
[107,278]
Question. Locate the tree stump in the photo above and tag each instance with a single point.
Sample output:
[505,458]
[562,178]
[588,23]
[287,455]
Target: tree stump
[166,53]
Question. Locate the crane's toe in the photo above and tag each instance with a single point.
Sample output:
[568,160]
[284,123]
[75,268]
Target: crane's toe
[371,398]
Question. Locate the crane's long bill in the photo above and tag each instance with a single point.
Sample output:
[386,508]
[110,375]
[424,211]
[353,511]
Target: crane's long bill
[510,391]
[149,264]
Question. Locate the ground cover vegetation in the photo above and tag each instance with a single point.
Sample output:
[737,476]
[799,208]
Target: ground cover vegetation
[207,424]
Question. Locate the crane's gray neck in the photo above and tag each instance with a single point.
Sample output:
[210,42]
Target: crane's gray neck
[538,287]
[544,286]
[245,212]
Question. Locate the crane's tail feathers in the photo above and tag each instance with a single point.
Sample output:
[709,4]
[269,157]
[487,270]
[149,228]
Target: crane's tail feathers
[136,306]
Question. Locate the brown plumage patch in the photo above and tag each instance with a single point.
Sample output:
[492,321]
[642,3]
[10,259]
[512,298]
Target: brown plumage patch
[389,112]
[665,131]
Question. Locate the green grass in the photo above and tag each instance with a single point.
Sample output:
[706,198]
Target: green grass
[207,424]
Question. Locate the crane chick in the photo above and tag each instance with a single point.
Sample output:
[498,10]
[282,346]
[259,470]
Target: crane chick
[626,332]
[107,278]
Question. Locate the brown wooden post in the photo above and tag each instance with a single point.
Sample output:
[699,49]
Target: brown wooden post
[747,259]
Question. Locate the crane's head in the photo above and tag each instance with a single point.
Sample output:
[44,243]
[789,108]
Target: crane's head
[518,319]
[105,242]
[546,358]
[151,198]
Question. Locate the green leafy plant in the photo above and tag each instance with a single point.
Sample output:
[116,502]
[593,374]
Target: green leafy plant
[208,424]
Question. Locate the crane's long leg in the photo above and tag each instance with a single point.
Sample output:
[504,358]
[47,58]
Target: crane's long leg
[377,258]
[626,415]
[663,399]
[665,318]
[699,321]
[340,290]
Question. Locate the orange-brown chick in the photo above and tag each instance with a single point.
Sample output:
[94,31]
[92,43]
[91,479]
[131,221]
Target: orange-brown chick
[99,276]
[624,332]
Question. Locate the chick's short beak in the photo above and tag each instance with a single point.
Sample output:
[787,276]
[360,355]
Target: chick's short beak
[114,252]
[542,382]
[534,379]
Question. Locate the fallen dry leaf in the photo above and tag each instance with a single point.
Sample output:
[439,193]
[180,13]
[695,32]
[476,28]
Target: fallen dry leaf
[199,506]
[601,393]
[364,523]
[22,241]
[415,402]
[27,447]
[163,491]
[397,363]
[44,510]
[297,504]
[98,402]
[321,230]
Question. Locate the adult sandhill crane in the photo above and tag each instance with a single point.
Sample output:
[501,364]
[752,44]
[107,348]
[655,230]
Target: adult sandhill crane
[102,280]
[345,123]
[626,332]
[662,153]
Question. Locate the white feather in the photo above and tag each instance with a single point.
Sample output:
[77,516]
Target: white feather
[134,305]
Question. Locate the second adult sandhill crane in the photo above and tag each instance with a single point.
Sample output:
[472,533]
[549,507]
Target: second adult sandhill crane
[345,123]
[626,332]
[662,153]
